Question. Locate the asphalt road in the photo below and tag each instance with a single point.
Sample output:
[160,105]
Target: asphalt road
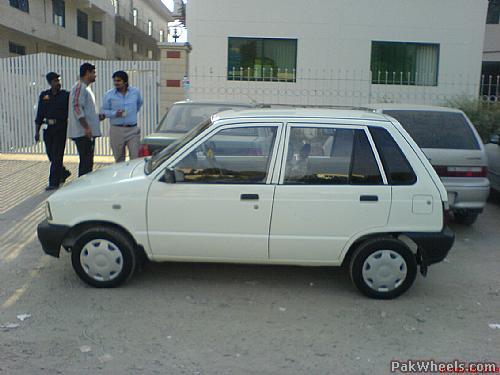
[233,319]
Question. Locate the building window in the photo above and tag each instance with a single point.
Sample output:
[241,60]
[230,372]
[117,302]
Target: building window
[97,32]
[493,12]
[262,59]
[82,24]
[116,5]
[150,54]
[135,16]
[162,36]
[134,47]
[120,39]
[21,5]
[396,63]
[150,27]
[17,49]
[59,12]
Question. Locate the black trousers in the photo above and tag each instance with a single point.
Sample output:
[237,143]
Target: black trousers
[54,138]
[85,147]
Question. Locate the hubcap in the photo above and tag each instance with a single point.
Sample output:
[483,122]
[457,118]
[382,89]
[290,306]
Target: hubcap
[101,259]
[384,270]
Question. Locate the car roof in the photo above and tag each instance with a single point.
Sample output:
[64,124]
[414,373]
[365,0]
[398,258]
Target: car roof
[300,113]
[214,102]
[409,107]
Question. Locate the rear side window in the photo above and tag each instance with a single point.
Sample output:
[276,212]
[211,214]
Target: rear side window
[397,167]
[330,156]
[437,129]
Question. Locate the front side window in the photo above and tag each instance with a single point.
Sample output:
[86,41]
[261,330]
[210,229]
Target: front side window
[330,156]
[230,158]
[82,24]
[397,168]
[262,59]
[59,13]
[396,63]
[20,4]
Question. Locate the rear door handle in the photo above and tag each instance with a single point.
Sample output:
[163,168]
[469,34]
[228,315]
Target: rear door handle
[368,198]
[249,197]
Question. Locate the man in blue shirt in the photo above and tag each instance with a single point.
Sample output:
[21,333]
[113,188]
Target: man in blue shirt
[121,106]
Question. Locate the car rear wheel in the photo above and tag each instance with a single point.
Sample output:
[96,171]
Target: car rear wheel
[103,257]
[383,268]
[466,217]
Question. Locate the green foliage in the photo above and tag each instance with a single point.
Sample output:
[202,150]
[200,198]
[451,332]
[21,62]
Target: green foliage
[484,115]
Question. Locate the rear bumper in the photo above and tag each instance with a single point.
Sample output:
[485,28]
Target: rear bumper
[51,237]
[432,247]
[467,196]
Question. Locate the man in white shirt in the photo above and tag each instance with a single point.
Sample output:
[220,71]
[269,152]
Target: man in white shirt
[83,121]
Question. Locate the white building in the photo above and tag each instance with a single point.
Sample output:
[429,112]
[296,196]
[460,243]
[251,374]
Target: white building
[420,51]
[491,55]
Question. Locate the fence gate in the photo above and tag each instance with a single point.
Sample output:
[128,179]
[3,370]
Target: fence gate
[23,78]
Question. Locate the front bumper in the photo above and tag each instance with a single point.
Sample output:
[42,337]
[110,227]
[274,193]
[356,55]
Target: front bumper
[432,247]
[51,237]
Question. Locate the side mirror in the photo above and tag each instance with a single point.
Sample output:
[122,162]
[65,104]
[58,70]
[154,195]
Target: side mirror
[168,176]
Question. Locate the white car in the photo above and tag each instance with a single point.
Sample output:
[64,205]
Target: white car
[314,188]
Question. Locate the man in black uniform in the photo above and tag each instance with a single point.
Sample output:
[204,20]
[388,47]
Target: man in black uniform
[53,110]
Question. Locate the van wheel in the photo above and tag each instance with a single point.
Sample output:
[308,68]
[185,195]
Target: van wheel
[466,217]
[383,268]
[103,257]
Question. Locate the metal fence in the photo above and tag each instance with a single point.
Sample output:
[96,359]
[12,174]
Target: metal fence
[23,78]
[337,87]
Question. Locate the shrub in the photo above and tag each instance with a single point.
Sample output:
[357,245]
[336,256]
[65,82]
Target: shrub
[484,115]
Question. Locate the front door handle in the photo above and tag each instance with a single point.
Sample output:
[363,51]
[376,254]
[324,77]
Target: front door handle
[368,198]
[249,197]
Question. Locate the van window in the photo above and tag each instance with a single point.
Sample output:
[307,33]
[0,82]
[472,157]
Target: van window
[396,166]
[437,129]
[330,156]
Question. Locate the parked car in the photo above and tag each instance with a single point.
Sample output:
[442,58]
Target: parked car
[182,117]
[330,188]
[493,152]
[453,146]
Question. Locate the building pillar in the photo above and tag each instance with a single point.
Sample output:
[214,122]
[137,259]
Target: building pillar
[173,69]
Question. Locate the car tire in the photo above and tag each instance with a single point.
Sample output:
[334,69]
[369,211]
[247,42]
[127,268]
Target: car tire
[103,257]
[383,268]
[465,218]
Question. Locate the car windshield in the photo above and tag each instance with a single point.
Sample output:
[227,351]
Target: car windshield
[183,117]
[159,158]
[437,129]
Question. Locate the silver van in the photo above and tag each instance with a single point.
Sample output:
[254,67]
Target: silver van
[453,146]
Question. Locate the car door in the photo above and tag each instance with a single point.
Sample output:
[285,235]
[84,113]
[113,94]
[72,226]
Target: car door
[220,205]
[332,186]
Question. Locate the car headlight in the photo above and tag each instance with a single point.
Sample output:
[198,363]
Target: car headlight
[48,213]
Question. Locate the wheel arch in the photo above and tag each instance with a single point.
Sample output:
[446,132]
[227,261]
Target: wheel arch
[392,235]
[75,231]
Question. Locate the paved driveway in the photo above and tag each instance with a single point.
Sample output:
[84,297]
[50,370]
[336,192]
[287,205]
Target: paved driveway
[232,319]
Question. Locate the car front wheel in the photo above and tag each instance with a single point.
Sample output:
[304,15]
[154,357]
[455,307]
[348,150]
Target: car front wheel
[383,268]
[103,257]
